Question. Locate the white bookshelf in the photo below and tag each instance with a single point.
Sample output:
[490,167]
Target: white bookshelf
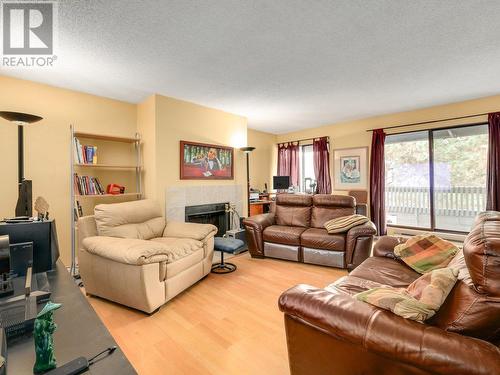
[119,162]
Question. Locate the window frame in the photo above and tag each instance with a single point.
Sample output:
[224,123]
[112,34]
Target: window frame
[430,137]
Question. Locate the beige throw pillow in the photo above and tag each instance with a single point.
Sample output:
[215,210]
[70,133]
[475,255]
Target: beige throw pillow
[344,223]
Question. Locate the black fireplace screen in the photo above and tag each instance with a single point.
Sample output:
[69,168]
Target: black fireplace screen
[209,214]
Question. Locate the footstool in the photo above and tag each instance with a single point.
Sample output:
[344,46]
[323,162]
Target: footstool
[226,245]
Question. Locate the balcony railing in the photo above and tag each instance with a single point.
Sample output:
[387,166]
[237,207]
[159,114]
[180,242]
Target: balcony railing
[457,201]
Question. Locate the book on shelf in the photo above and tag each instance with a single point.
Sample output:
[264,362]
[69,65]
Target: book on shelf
[86,185]
[85,154]
[78,210]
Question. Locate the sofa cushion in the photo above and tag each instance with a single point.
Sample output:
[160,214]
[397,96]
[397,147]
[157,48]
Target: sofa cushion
[327,207]
[473,306]
[386,271]
[283,234]
[351,285]
[293,210]
[468,313]
[318,238]
[182,264]
[482,253]
[140,219]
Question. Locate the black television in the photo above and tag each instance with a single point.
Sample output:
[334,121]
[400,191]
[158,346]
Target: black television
[281,182]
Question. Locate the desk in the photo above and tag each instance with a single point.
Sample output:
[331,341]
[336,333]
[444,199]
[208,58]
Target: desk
[259,207]
[79,332]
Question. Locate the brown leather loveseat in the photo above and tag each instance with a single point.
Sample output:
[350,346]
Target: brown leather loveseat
[295,231]
[329,332]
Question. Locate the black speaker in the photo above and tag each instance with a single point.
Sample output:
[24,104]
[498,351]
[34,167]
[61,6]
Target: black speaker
[24,206]
[44,239]
[21,257]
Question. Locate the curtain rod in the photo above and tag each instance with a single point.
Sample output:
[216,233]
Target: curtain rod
[303,140]
[432,121]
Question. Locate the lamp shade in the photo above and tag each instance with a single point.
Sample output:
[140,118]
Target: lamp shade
[247,149]
[20,118]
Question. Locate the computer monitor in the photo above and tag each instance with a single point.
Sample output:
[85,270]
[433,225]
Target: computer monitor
[281,182]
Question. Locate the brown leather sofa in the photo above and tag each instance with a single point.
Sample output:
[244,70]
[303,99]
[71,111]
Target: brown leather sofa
[329,332]
[295,231]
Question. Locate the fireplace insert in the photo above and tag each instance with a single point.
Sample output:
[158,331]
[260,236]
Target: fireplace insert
[214,213]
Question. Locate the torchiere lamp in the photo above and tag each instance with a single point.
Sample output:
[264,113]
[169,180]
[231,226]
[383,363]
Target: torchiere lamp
[24,201]
[247,150]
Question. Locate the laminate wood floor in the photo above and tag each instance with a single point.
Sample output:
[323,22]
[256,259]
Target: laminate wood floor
[225,324]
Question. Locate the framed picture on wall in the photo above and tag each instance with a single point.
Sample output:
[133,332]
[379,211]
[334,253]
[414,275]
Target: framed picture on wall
[201,161]
[350,168]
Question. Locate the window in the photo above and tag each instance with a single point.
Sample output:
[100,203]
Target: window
[306,168]
[436,179]
[407,180]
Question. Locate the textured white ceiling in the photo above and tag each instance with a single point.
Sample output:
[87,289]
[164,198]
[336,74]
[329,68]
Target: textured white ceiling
[284,64]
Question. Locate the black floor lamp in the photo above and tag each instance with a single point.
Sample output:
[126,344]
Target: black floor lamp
[24,205]
[247,150]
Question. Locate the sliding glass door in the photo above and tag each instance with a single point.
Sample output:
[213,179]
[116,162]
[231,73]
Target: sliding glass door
[460,162]
[436,179]
[407,180]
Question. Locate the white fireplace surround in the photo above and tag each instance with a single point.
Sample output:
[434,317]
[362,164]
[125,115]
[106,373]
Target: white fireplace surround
[178,197]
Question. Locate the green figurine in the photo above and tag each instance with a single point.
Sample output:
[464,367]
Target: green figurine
[44,343]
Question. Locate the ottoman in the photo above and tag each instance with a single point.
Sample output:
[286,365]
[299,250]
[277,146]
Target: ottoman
[226,245]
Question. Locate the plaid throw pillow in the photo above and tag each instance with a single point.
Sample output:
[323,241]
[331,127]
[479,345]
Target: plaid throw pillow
[426,252]
[420,301]
[344,223]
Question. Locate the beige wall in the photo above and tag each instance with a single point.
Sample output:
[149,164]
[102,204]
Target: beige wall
[261,167]
[175,120]
[47,143]
[354,134]
[146,126]
[162,122]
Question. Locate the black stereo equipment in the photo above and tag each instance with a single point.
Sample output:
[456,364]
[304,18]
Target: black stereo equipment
[44,238]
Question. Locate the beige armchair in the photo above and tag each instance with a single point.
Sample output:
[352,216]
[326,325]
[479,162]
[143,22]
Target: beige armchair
[128,254]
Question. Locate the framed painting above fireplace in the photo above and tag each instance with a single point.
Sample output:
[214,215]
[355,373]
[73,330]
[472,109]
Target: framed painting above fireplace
[201,161]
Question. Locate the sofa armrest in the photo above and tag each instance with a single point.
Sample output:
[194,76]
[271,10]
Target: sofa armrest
[87,227]
[427,348]
[254,227]
[359,241]
[384,247]
[195,231]
[129,250]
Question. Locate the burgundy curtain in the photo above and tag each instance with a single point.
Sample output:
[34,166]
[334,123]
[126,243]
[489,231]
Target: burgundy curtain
[493,174]
[377,181]
[288,162]
[283,160]
[294,164]
[321,156]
